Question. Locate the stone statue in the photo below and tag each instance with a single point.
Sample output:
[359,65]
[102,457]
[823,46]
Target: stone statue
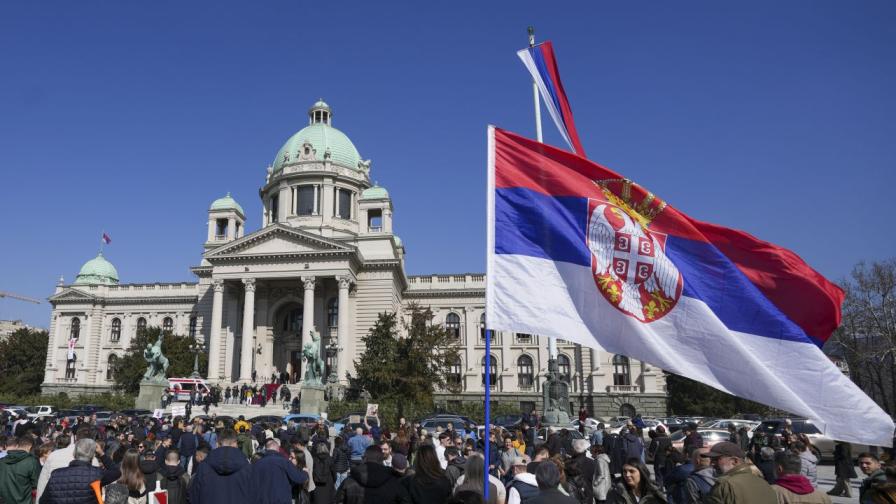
[314,365]
[556,398]
[158,363]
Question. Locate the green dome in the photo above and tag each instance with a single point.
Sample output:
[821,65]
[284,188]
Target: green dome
[97,271]
[375,192]
[322,137]
[226,203]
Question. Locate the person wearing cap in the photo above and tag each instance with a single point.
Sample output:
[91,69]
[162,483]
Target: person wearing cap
[583,466]
[737,483]
[523,487]
[793,487]
[692,439]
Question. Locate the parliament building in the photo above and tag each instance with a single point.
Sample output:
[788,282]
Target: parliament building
[325,256]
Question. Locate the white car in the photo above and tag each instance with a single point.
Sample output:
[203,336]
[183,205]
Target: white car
[16,411]
[40,411]
[736,422]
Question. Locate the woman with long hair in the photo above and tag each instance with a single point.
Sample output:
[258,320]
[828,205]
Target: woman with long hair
[322,474]
[635,487]
[132,477]
[428,484]
[474,477]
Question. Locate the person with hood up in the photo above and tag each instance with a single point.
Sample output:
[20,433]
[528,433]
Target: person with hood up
[701,480]
[793,487]
[523,487]
[274,476]
[370,482]
[224,477]
[19,471]
[173,478]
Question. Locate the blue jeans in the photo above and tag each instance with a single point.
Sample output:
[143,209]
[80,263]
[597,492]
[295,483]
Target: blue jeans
[340,477]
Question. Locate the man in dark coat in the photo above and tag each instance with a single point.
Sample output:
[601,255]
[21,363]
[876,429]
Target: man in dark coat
[274,476]
[187,446]
[659,449]
[548,478]
[19,470]
[79,483]
[225,475]
[843,469]
[372,483]
[173,478]
[614,447]
[580,469]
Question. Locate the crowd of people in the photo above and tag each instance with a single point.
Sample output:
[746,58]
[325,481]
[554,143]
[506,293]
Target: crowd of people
[208,460]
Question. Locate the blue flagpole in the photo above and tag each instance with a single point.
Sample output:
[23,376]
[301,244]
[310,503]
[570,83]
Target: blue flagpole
[488,403]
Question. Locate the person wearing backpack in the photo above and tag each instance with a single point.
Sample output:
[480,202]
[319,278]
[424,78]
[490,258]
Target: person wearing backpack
[581,469]
[523,487]
[173,478]
[701,481]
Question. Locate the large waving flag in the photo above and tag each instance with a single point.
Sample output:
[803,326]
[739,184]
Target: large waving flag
[577,252]
[542,64]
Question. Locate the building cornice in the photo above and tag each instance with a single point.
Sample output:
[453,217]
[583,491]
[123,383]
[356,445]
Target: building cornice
[411,294]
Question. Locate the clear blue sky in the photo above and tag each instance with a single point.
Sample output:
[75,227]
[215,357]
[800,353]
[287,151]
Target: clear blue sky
[772,117]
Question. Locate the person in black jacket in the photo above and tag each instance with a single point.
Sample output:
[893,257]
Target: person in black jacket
[79,483]
[372,483]
[548,477]
[274,476]
[428,484]
[339,461]
[323,474]
[187,445]
[580,468]
[173,478]
[224,477]
[659,450]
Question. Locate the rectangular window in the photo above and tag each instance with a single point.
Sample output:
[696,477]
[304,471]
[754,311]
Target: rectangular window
[305,205]
[275,207]
[375,220]
[344,204]
[220,229]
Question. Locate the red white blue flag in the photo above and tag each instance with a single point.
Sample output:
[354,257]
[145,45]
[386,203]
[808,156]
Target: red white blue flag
[577,252]
[106,239]
[542,64]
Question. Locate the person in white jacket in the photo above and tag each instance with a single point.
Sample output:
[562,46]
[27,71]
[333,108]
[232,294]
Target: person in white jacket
[603,480]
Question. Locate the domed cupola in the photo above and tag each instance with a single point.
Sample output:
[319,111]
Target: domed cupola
[320,113]
[319,142]
[97,271]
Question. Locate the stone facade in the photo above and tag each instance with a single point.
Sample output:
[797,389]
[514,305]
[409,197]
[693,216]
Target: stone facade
[325,257]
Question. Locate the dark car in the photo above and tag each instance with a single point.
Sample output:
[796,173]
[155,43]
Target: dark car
[274,419]
[135,412]
[89,408]
[509,422]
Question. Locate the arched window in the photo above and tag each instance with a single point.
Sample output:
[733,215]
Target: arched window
[524,372]
[75,332]
[454,373]
[492,370]
[116,330]
[141,325]
[482,329]
[194,321]
[70,367]
[563,368]
[452,325]
[167,324]
[110,367]
[292,322]
[331,365]
[333,312]
[622,373]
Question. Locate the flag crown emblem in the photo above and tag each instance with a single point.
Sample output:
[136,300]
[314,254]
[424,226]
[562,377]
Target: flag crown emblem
[643,211]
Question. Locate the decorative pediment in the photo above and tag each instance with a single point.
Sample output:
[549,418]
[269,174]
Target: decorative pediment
[278,239]
[71,295]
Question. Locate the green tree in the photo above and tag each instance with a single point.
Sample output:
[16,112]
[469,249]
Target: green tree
[405,367]
[689,397]
[23,356]
[130,367]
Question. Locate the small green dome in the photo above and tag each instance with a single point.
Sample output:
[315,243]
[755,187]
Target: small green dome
[320,104]
[226,203]
[375,192]
[398,241]
[97,271]
[321,137]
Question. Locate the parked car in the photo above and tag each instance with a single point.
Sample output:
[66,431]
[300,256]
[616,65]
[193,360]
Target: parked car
[311,420]
[726,422]
[89,408]
[135,412]
[710,438]
[181,387]
[40,411]
[267,419]
[431,425]
[822,446]
[509,422]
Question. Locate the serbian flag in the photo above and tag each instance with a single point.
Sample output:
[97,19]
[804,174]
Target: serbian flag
[577,252]
[542,64]
[106,239]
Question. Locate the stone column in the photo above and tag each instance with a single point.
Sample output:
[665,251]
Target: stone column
[214,331]
[248,348]
[307,309]
[342,328]
[231,228]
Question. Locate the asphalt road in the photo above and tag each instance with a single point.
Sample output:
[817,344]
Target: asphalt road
[826,481]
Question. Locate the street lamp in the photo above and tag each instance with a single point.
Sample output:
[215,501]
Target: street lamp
[196,347]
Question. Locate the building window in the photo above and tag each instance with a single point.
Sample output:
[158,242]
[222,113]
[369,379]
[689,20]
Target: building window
[331,365]
[524,372]
[482,329]
[75,331]
[307,200]
[292,322]
[563,368]
[622,374]
[275,208]
[220,229]
[492,370]
[452,325]
[343,204]
[454,374]
[167,324]
[375,220]
[523,338]
[194,321]
[141,325]
[116,330]
[110,367]
[333,312]
[70,367]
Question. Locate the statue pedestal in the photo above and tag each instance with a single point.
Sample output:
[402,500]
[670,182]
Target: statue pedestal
[312,399]
[555,418]
[150,396]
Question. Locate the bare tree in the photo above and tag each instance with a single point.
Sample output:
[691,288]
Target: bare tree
[866,338]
